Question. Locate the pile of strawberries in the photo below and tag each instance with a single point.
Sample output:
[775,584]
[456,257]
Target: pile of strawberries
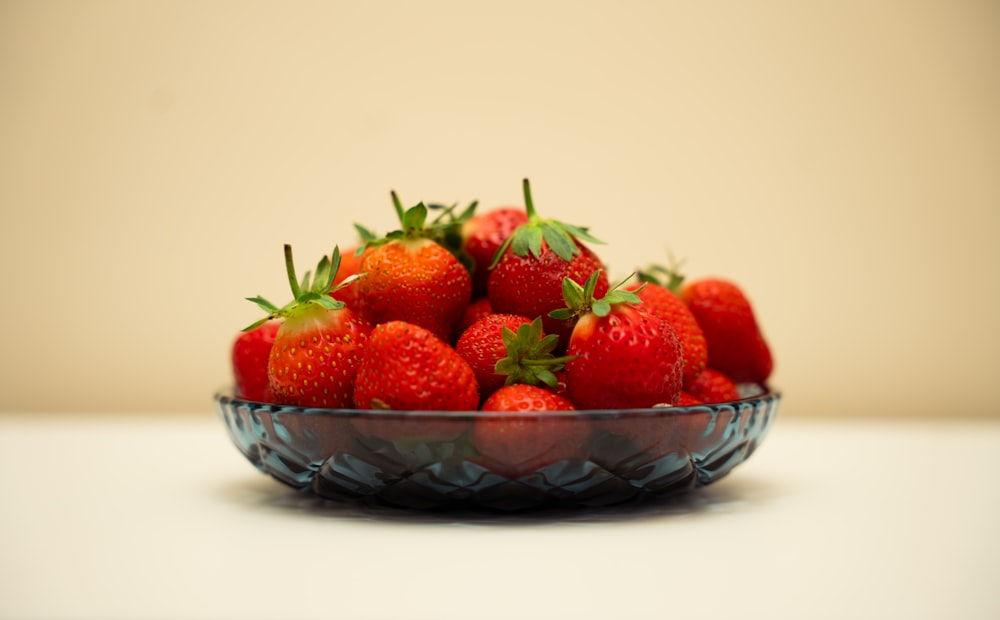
[500,311]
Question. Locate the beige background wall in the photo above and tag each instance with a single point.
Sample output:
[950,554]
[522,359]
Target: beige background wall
[841,159]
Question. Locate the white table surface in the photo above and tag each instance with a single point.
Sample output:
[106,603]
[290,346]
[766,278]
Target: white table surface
[160,517]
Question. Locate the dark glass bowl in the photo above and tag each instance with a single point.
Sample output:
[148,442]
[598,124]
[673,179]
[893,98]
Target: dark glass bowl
[499,461]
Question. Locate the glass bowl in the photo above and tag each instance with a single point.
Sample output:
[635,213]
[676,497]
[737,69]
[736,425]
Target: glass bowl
[498,461]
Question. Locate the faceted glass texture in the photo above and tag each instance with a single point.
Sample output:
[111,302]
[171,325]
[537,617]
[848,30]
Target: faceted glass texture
[498,461]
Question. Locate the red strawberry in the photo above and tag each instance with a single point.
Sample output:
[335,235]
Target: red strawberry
[712,386]
[316,351]
[250,352]
[526,398]
[477,309]
[410,277]
[735,343]
[408,368]
[686,399]
[482,346]
[500,356]
[624,358]
[560,386]
[514,445]
[529,269]
[662,302]
[482,236]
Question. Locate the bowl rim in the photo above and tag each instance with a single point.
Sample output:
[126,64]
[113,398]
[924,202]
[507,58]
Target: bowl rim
[765,394]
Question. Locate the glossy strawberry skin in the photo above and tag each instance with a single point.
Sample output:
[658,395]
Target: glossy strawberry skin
[477,309]
[526,398]
[662,302]
[416,281]
[712,386]
[628,359]
[406,367]
[515,442]
[532,286]
[250,353]
[686,399]
[560,387]
[482,236]
[315,358]
[482,346]
[736,345]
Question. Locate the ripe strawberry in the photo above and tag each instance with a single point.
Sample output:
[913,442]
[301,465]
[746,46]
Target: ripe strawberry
[482,236]
[477,309]
[529,268]
[686,399]
[500,356]
[250,352]
[526,398]
[560,387]
[514,445]
[662,302]
[735,343]
[316,350]
[624,358]
[482,346]
[712,386]
[410,277]
[407,367]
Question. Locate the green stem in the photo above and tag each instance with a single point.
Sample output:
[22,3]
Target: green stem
[290,268]
[529,204]
[551,361]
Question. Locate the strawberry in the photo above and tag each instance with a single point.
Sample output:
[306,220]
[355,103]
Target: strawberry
[736,345]
[500,356]
[526,398]
[250,352]
[662,302]
[624,358]
[482,346]
[712,386]
[407,367]
[482,236]
[410,277]
[560,387]
[686,399]
[477,309]
[317,348]
[529,268]
[514,445]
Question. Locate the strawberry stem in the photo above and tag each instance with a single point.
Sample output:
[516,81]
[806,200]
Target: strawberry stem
[548,362]
[529,204]
[290,269]
[560,237]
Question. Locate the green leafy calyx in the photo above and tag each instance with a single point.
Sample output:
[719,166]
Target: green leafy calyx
[669,276]
[559,236]
[415,222]
[529,356]
[311,291]
[580,299]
